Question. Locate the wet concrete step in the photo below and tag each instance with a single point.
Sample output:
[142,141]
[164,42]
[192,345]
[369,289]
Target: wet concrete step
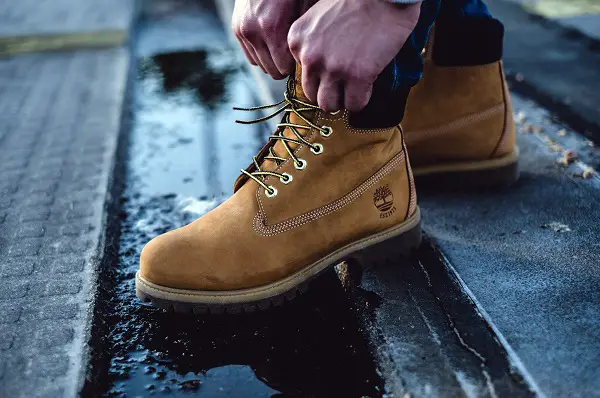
[39,25]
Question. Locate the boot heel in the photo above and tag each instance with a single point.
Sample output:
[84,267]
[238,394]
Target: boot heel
[390,250]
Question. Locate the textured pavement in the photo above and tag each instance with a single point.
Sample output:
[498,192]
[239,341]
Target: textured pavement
[59,122]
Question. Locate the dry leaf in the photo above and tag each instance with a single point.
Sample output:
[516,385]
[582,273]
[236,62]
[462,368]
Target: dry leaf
[537,129]
[557,227]
[526,129]
[567,158]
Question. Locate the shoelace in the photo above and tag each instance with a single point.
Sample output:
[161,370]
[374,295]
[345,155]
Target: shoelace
[288,105]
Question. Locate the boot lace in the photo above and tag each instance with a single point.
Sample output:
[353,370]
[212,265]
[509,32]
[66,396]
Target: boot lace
[289,105]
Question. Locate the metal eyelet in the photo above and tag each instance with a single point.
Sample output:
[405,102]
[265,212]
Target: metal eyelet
[288,178]
[317,149]
[300,164]
[272,191]
[328,132]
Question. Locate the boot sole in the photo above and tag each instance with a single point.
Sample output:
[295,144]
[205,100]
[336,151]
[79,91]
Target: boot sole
[491,173]
[388,245]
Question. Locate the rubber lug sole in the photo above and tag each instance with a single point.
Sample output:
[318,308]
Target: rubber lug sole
[380,249]
[484,175]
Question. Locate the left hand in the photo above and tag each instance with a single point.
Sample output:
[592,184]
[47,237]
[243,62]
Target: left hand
[343,45]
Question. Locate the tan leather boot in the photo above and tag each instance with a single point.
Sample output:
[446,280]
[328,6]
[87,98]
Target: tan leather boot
[459,127]
[318,193]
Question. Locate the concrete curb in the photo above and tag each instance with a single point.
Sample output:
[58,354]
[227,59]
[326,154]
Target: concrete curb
[569,28]
[26,33]
[27,44]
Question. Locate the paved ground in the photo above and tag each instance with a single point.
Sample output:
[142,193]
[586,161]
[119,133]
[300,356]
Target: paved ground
[530,257]
[578,15]
[60,115]
[555,68]
[34,25]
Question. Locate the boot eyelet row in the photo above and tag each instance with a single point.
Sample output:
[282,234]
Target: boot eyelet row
[317,149]
[288,178]
[271,192]
[300,164]
[326,133]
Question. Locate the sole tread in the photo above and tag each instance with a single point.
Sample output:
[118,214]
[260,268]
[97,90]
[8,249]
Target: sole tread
[383,253]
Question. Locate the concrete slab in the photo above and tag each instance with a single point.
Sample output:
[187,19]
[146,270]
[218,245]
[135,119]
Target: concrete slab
[531,258]
[36,25]
[60,116]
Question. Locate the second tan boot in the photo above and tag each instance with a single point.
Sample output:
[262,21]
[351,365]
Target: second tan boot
[321,191]
[459,126]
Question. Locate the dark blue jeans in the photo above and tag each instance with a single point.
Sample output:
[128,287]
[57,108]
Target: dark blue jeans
[407,66]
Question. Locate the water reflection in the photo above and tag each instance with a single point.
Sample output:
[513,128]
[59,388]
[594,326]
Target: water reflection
[193,71]
[309,347]
[184,135]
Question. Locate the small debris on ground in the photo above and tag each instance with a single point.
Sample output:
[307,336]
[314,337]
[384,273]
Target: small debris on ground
[562,133]
[526,128]
[567,158]
[520,117]
[553,145]
[519,77]
[586,173]
[557,227]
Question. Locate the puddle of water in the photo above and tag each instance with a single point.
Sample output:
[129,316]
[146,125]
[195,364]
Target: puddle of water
[185,152]
[184,136]
[309,347]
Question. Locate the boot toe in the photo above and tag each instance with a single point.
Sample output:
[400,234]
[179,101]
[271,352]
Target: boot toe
[161,259]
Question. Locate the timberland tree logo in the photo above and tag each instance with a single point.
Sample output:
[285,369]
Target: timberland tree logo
[384,201]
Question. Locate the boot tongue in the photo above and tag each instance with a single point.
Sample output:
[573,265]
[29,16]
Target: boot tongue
[298,91]
[294,91]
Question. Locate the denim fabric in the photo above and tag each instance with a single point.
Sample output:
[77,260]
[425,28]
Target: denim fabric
[407,67]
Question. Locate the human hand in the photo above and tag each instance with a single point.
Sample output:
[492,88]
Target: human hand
[343,45]
[261,27]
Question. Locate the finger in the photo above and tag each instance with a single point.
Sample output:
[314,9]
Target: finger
[252,49]
[265,59]
[329,96]
[310,82]
[357,95]
[249,52]
[283,59]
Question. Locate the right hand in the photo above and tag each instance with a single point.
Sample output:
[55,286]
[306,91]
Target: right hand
[261,27]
